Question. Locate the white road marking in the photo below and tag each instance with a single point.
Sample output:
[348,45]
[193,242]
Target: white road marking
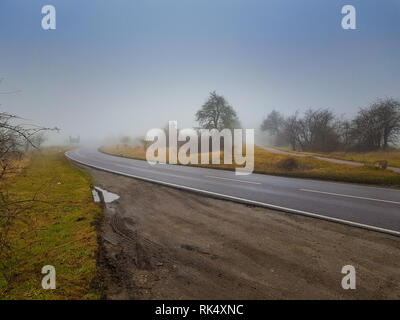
[349,196]
[236,180]
[242,200]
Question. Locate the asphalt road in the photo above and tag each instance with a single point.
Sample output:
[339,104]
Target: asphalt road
[362,206]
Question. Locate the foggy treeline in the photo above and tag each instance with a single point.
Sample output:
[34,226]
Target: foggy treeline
[375,127]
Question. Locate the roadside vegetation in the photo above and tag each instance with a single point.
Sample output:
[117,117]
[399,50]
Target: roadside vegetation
[283,165]
[391,155]
[374,128]
[369,158]
[58,229]
[47,217]
[316,132]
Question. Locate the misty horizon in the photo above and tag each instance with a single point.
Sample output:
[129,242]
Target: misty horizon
[109,70]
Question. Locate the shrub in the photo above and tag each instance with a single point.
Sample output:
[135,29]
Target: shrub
[381,164]
[288,164]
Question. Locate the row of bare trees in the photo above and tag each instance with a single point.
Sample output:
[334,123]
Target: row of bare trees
[374,127]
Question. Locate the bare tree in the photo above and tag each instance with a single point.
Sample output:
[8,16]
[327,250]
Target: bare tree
[274,125]
[374,127]
[14,139]
[318,131]
[378,125]
[291,131]
[216,113]
[344,130]
[37,140]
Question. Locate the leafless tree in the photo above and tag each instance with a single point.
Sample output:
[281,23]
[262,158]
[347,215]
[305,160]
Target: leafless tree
[345,130]
[216,113]
[15,136]
[375,127]
[318,130]
[274,125]
[378,125]
[291,131]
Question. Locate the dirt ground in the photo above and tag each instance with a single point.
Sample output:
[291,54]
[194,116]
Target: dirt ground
[162,243]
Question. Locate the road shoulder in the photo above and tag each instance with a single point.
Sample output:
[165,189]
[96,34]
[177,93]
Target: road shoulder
[162,243]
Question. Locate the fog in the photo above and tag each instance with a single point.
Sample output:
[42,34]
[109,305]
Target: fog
[121,68]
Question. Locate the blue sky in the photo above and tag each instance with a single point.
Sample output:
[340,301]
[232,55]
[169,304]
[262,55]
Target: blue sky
[125,66]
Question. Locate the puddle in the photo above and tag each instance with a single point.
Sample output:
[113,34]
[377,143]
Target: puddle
[108,196]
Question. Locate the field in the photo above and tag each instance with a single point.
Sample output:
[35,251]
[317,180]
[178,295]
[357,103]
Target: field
[392,156]
[271,163]
[59,230]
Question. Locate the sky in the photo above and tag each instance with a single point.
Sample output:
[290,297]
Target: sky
[125,66]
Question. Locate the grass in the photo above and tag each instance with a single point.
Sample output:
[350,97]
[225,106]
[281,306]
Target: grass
[14,166]
[60,231]
[268,163]
[392,156]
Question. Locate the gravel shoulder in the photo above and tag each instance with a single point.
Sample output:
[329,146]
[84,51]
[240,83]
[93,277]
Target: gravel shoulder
[162,243]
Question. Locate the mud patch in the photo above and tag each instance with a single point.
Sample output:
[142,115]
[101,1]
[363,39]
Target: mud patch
[161,243]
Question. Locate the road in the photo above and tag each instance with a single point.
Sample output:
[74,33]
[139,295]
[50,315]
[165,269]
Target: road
[367,207]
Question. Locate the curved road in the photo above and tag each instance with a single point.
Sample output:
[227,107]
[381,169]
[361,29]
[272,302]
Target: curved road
[372,208]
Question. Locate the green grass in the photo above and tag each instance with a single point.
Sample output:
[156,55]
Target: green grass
[61,233]
[267,163]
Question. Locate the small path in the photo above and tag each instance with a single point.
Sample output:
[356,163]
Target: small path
[350,163]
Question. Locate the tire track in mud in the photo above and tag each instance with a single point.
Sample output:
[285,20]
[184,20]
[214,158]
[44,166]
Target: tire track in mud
[128,258]
[159,243]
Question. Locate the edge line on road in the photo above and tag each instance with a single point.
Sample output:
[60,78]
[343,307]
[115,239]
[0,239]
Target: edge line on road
[246,201]
[349,196]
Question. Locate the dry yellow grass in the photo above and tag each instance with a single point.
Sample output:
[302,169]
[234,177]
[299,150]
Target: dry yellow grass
[14,166]
[392,156]
[268,163]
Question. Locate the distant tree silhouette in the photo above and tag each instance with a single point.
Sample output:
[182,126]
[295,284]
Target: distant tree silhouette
[216,113]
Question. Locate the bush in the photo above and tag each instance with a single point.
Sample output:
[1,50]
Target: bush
[381,164]
[288,164]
